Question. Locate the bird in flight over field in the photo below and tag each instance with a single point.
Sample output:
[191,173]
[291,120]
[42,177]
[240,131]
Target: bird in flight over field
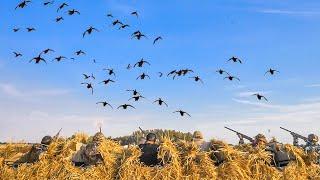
[22,4]
[59,19]
[125,106]
[143,76]
[46,51]
[89,31]
[38,59]
[136,98]
[87,76]
[135,13]
[110,71]
[221,71]
[48,3]
[73,11]
[260,97]
[160,102]
[80,52]
[16,29]
[235,59]
[17,54]
[107,81]
[134,91]
[141,63]
[104,104]
[30,29]
[271,71]
[197,78]
[62,6]
[89,86]
[231,78]
[182,113]
[58,59]
[157,39]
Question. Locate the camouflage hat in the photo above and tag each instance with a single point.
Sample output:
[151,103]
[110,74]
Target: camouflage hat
[197,135]
[313,138]
[98,137]
[91,149]
[261,138]
[46,140]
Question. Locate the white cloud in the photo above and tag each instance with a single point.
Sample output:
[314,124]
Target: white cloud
[313,85]
[11,90]
[250,93]
[289,12]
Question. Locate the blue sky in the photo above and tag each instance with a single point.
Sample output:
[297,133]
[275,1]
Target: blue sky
[39,99]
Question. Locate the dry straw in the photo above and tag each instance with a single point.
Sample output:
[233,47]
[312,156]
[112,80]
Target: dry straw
[180,160]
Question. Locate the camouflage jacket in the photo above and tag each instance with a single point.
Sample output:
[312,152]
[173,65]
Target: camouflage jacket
[33,154]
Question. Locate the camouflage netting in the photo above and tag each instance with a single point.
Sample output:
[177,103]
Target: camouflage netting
[181,160]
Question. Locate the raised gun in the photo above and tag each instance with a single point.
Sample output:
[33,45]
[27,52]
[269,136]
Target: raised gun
[57,135]
[295,135]
[242,135]
[144,133]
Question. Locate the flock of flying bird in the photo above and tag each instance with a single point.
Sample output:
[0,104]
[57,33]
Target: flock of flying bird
[136,96]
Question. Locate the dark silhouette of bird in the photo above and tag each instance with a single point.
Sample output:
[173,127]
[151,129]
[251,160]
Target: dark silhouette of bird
[141,63]
[38,59]
[221,71]
[62,6]
[30,29]
[135,13]
[136,98]
[17,54]
[172,72]
[104,104]
[22,4]
[46,51]
[110,15]
[128,66]
[58,59]
[89,31]
[135,33]
[80,52]
[160,74]
[157,39]
[177,73]
[138,36]
[182,113]
[235,59]
[124,26]
[143,76]
[89,86]
[125,106]
[16,29]
[259,96]
[73,11]
[231,78]
[116,22]
[58,19]
[160,102]
[94,61]
[107,81]
[110,71]
[48,3]
[271,71]
[186,71]
[197,78]
[134,92]
[87,76]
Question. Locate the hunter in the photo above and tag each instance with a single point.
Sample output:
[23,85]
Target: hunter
[89,154]
[200,142]
[149,151]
